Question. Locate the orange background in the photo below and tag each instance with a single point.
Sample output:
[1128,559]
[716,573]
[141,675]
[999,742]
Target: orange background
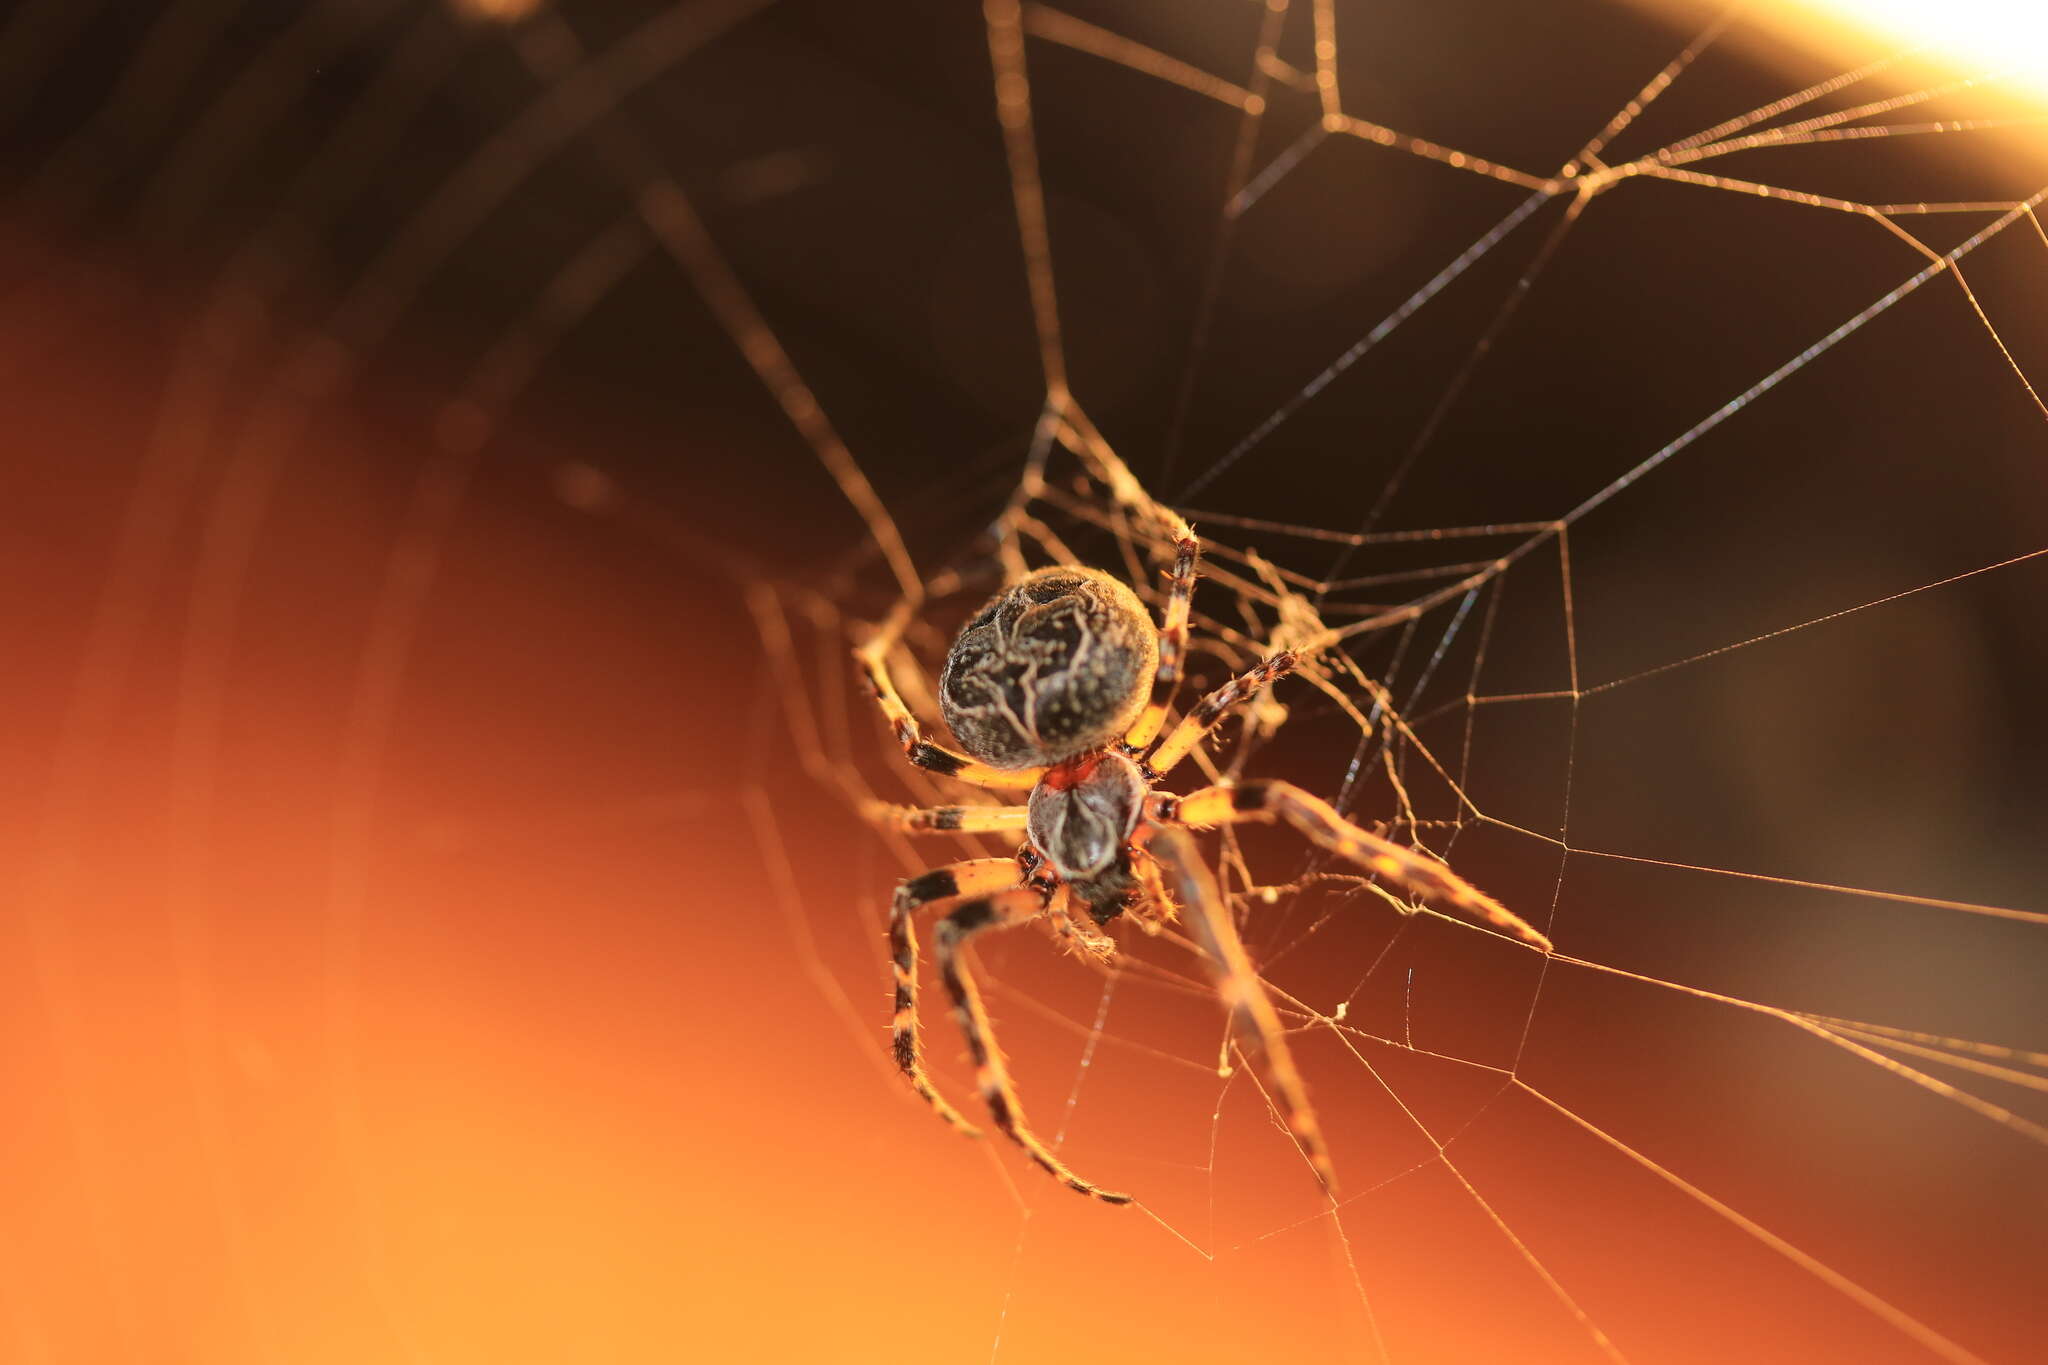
[506,1048]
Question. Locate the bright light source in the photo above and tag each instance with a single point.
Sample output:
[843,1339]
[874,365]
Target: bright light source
[2008,37]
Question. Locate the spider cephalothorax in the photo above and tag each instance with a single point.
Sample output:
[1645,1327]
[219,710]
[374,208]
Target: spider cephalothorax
[1053,666]
[1061,686]
[1080,819]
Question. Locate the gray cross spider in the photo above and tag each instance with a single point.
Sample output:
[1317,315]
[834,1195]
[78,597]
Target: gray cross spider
[1061,686]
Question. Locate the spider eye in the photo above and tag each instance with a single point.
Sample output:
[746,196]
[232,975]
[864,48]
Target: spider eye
[1054,666]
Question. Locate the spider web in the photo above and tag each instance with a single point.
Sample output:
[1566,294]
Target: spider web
[1639,434]
[1402,627]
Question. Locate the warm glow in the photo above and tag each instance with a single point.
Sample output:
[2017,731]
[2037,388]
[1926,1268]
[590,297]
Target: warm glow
[1994,37]
[454,464]
[497,11]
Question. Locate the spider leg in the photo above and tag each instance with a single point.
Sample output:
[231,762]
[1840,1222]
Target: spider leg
[1001,911]
[1210,711]
[964,819]
[941,886]
[1315,819]
[1173,644]
[921,751]
[1237,982]
[1154,908]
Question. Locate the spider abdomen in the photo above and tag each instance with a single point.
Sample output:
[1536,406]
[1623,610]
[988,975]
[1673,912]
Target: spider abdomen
[1056,665]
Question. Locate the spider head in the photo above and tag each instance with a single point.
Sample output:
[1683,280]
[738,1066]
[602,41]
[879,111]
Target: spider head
[1056,665]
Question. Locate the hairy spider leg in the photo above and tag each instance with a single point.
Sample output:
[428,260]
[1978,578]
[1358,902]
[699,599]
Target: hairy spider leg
[921,751]
[1315,819]
[1210,711]
[941,886]
[1173,644]
[941,819]
[1155,908]
[1002,911]
[1252,1015]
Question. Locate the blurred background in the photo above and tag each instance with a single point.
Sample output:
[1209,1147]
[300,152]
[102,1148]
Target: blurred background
[424,941]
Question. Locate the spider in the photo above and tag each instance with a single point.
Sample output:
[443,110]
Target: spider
[1060,686]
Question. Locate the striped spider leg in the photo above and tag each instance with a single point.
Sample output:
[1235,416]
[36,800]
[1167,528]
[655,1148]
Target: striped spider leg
[945,819]
[1252,1015]
[980,894]
[994,820]
[1206,714]
[873,659]
[1310,815]
[1173,644]
[942,886]
[1316,820]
